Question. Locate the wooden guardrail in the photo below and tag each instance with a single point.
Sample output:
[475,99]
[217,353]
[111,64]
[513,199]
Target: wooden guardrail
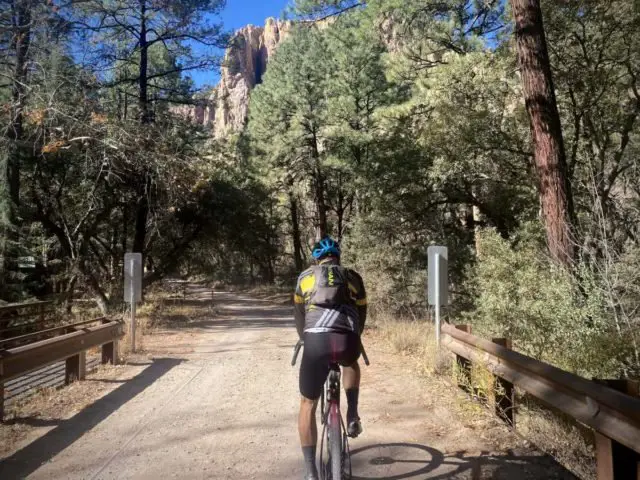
[613,415]
[70,344]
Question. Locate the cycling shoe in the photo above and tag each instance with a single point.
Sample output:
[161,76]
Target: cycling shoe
[354,429]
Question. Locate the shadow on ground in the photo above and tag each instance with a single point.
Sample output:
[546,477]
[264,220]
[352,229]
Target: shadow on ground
[403,461]
[26,461]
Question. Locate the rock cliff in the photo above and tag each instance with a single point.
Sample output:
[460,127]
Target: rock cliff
[245,62]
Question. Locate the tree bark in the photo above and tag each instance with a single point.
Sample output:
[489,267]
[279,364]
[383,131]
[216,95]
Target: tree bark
[125,228]
[142,214]
[143,81]
[295,231]
[320,201]
[546,130]
[142,209]
[21,43]
[21,19]
[321,207]
[68,294]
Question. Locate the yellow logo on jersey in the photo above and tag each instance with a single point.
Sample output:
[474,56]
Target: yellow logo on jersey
[307,284]
[331,278]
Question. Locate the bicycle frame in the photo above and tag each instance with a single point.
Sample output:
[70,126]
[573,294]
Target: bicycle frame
[330,414]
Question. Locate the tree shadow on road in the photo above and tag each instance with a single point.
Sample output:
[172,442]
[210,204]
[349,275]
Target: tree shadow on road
[404,461]
[26,461]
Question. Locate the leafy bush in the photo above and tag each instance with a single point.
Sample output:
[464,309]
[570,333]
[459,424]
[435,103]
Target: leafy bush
[548,313]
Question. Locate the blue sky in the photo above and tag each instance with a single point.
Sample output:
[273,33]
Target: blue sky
[237,14]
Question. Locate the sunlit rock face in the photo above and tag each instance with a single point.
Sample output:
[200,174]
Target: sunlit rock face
[245,62]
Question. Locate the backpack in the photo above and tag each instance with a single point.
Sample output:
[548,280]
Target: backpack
[331,286]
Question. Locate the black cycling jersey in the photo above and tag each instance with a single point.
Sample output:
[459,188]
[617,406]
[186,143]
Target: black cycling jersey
[330,298]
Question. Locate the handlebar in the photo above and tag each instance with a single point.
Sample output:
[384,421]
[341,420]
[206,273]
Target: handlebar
[300,344]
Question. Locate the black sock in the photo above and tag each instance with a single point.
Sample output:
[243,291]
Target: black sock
[310,459]
[352,404]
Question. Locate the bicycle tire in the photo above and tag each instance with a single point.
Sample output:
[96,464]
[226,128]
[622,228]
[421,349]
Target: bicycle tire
[335,443]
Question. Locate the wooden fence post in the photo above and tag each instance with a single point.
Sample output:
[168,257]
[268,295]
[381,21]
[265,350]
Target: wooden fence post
[504,391]
[110,353]
[464,366]
[75,368]
[615,461]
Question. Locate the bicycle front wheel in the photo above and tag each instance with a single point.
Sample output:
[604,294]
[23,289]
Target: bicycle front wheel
[334,431]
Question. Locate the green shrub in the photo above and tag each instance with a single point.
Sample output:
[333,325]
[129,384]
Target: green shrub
[547,312]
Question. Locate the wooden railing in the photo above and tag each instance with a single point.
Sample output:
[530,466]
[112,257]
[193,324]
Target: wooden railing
[613,415]
[69,343]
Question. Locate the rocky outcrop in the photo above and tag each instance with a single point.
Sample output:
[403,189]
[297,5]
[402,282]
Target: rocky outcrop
[245,62]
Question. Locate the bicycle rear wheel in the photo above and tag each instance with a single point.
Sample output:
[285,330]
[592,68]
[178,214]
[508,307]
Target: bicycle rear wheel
[334,432]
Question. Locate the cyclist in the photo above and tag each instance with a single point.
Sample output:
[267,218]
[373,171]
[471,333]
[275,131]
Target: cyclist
[330,313]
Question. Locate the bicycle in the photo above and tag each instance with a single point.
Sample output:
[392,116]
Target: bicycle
[338,464]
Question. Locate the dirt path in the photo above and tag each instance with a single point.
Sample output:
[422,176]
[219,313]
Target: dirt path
[218,400]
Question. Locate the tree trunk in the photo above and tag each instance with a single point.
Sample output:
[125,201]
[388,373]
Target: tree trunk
[321,207]
[5,222]
[477,220]
[114,260]
[68,294]
[340,209]
[9,203]
[20,45]
[125,228]
[140,234]
[80,267]
[295,231]
[549,154]
[100,297]
[318,186]
[142,209]
[142,214]
[145,115]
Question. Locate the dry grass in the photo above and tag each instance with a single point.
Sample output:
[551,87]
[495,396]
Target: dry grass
[414,339]
[561,437]
[161,312]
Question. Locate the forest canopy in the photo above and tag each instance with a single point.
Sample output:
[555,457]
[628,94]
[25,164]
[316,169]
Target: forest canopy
[391,125]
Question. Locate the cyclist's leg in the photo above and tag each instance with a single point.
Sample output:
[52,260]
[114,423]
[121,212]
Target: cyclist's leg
[314,369]
[351,381]
[308,430]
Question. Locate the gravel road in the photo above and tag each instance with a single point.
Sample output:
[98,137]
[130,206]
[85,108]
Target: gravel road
[218,400]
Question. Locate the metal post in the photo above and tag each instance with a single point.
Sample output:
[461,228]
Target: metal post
[437,279]
[133,314]
[133,322]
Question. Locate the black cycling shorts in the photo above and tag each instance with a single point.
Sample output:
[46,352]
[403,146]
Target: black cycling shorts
[320,351]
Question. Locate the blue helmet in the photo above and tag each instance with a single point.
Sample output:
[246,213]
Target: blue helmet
[325,247]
